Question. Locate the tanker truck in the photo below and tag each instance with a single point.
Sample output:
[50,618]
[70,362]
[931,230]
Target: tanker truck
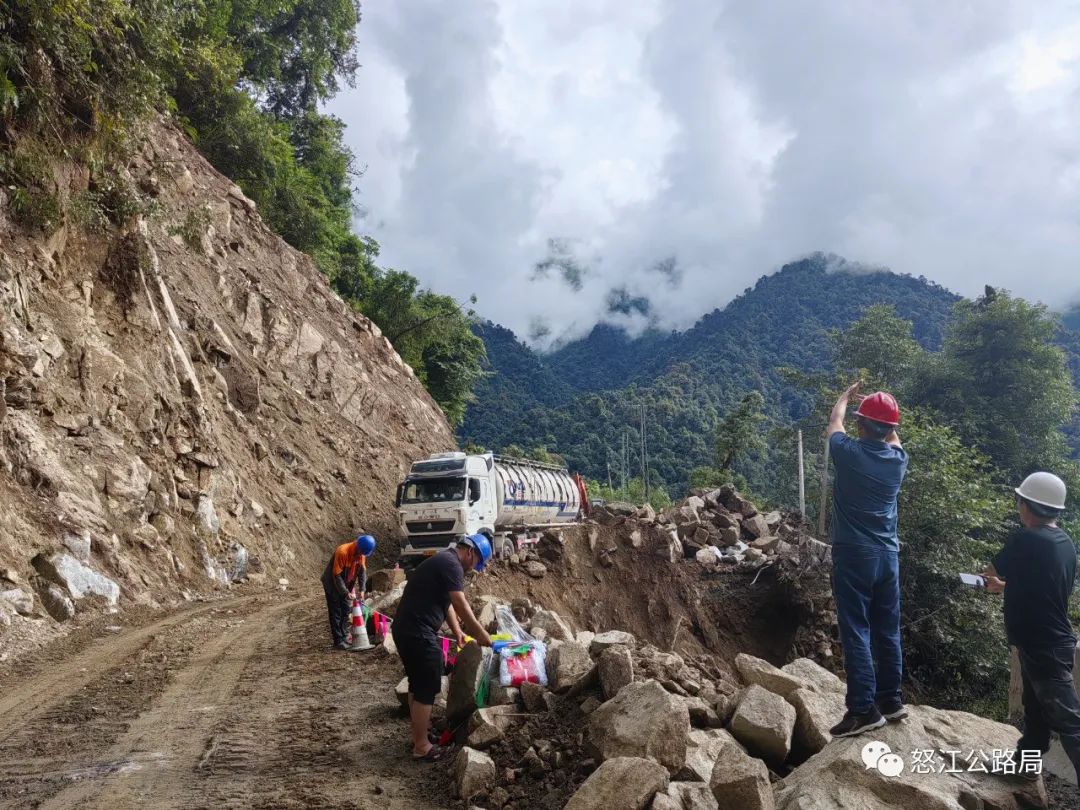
[448,495]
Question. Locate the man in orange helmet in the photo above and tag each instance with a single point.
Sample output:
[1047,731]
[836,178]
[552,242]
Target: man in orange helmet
[866,550]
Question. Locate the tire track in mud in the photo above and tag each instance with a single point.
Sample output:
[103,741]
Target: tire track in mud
[238,704]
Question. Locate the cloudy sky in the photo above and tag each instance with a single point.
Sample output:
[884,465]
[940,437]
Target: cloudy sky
[572,161]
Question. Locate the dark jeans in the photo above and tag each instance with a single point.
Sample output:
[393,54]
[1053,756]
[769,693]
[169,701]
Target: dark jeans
[1050,700]
[866,586]
[338,607]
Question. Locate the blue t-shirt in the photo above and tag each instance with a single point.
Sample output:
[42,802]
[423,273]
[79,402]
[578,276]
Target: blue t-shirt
[868,478]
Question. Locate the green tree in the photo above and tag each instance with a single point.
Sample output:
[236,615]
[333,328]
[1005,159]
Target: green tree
[881,345]
[739,434]
[1003,385]
[951,521]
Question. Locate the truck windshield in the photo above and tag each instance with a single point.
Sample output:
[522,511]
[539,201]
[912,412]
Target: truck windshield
[434,490]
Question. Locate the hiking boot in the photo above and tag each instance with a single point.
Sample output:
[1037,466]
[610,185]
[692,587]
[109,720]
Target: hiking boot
[853,724]
[893,709]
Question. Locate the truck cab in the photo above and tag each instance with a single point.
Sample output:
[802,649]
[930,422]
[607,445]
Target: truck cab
[444,497]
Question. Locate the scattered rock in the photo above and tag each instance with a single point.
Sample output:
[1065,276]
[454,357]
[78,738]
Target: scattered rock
[814,675]
[703,746]
[692,796]
[568,666]
[740,781]
[620,782]
[532,695]
[755,526]
[56,603]
[553,624]
[79,580]
[474,772]
[815,712]
[601,641]
[468,672]
[616,669]
[838,770]
[535,569]
[488,725]
[21,600]
[764,723]
[762,673]
[642,720]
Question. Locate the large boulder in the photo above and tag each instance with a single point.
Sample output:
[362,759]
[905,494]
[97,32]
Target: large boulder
[838,777]
[79,580]
[568,665]
[761,672]
[474,772]
[472,663]
[740,781]
[56,603]
[127,479]
[815,713]
[601,641]
[620,783]
[814,675]
[488,726]
[692,796]
[755,526]
[616,669]
[643,720]
[764,723]
[703,747]
[553,624]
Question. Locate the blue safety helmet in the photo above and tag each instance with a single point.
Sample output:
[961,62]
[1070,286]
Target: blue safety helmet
[482,544]
[365,543]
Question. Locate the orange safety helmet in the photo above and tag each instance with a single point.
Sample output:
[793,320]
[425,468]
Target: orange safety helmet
[881,407]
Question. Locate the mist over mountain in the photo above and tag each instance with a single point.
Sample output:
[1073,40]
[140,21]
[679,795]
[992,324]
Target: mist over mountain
[580,399]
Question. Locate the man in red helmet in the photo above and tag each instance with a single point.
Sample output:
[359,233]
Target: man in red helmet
[866,550]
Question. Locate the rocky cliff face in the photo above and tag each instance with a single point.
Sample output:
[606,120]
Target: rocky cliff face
[185,401]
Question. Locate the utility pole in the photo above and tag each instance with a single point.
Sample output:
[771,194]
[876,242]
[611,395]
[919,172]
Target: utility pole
[824,490]
[609,472]
[802,480]
[644,455]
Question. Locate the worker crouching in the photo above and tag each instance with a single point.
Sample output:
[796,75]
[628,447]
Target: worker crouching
[435,594]
[344,579]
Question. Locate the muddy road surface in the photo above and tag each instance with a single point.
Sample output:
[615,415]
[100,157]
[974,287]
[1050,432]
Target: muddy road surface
[231,703]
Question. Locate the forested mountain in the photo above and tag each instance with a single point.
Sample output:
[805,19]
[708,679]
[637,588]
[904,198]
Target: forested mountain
[581,399]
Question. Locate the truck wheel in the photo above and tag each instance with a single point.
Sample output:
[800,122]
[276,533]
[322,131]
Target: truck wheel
[506,548]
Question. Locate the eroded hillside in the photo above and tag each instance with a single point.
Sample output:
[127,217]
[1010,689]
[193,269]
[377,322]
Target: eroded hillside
[185,401]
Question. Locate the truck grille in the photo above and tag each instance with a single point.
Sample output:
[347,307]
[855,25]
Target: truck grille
[425,526]
[433,540]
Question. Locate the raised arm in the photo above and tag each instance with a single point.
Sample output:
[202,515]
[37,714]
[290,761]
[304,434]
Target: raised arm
[839,410]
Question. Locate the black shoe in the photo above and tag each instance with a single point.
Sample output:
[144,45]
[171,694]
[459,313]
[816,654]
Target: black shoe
[341,645]
[893,710]
[853,724]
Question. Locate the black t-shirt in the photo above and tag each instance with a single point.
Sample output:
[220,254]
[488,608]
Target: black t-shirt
[427,594]
[1039,567]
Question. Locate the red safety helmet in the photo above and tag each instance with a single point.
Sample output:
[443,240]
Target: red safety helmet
[881,407]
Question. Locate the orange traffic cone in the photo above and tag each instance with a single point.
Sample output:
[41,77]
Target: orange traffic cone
[359,628]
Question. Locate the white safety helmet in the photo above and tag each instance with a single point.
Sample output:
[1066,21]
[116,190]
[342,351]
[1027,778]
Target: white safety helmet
[1043,488]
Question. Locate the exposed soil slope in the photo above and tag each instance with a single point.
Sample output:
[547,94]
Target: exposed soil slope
[185,401]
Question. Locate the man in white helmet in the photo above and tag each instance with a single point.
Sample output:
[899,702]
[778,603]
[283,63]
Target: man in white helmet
[1036,571]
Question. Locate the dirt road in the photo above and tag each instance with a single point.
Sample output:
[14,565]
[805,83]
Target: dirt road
[232,703]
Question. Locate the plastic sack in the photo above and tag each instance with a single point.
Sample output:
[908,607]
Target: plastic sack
[508,625]
[523,662]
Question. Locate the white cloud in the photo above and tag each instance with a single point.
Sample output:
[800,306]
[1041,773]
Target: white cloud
[937,139]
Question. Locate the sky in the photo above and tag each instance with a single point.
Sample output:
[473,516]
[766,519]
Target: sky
[643,163]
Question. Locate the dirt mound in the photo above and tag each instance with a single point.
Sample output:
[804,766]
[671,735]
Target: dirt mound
[635,574]
[184,403]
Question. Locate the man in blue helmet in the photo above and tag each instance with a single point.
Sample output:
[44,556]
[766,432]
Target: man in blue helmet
[344,578]
[434,594]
